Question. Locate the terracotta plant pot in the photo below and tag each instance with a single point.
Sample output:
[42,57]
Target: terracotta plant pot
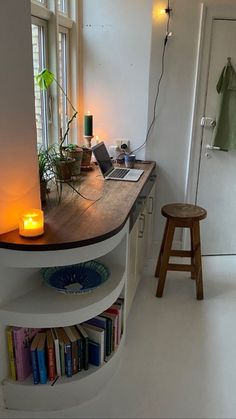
[86,158]
[77,155]
[64,169]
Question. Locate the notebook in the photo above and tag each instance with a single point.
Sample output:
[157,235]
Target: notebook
[109,171]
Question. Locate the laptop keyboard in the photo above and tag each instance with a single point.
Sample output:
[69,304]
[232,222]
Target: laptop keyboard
[119,173]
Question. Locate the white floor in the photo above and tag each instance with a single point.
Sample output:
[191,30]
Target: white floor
[180,356]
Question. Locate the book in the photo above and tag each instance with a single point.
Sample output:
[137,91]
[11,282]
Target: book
[94,353]
[51,362]
[121,302]
[79,338]
[101,322]
[109,335]
[114,319]
[71,333]
[85,340]
[66,354]
[34,359]
[41,357]
[61,349]
[57,352]
[121,313]
[22,338]
[96,334]
[116,309]
[11,354]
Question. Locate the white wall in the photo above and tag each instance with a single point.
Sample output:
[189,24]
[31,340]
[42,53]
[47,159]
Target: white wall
[117,57]
[19,185]
[117,42]
[170,139]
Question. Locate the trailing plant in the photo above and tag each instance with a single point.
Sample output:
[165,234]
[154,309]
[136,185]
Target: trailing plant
[44,79]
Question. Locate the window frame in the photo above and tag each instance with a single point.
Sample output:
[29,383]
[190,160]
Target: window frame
[63,30]
[44,94]
[57,20]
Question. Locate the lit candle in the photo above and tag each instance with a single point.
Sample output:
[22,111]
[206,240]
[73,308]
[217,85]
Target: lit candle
[88,125]
[31,223]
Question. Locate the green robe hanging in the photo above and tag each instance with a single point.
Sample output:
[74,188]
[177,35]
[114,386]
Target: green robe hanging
[225,130]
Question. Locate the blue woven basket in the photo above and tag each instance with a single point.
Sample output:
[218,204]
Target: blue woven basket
[76,279]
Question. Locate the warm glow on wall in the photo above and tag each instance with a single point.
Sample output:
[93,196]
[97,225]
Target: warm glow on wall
[31,223]
[159,12]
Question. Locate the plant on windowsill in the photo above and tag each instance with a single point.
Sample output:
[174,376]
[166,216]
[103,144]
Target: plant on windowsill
[75,152]
[62,163]
[44,165]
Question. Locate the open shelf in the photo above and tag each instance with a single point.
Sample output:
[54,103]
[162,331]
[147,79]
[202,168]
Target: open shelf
[66,392]
[44,307]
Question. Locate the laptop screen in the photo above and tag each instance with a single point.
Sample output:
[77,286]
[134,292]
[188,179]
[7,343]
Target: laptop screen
[103,159]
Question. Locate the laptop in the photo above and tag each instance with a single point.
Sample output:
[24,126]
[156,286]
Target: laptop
[109,171]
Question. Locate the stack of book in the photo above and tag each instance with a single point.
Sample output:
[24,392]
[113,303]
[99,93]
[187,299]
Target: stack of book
[64,351]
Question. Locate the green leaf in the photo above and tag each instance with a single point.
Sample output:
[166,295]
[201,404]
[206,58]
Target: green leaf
[44,79]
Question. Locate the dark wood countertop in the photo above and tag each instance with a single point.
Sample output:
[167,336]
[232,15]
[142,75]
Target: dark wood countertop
[75,221]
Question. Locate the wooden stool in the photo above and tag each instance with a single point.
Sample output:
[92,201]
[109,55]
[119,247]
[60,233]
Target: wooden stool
[181,215]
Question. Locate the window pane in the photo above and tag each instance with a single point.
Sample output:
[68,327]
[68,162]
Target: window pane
[40,96]
[44,2]
[63,6]
[63,74]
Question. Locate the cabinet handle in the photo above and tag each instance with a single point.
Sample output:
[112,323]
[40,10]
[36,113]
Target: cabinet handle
[141,230]
[150,206]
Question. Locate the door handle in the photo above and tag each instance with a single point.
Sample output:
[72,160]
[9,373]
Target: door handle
[212,147]
[141,230]
[208,122]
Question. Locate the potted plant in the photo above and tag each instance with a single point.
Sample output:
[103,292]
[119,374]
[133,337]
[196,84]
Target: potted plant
[44,165]
[63,164]
[76,153]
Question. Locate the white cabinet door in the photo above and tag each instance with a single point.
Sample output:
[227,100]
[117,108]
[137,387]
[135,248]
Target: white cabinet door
[150,216]
[140,243]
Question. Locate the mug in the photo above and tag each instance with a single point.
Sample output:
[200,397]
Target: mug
[129,160]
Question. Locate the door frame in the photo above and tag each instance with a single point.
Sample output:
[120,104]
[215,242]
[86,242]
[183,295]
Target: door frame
[207,16]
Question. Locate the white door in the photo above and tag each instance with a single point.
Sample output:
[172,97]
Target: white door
[216,190]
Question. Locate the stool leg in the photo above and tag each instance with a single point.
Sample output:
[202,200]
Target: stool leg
[198,260]
[193,274]
[165,258]
[157,272]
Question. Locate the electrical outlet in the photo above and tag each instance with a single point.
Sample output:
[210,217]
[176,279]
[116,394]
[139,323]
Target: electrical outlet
[122,144]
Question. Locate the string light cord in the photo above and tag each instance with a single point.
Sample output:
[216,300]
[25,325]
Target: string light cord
[82,196]
[168,34]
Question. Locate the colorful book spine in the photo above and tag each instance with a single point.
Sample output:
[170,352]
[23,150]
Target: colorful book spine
[84,347]
[74,348]
[34,359]
[67,353]
[57,352]
[50,356]
[22,338]
[94,353]
[11,354]
[101,322]
[41,356]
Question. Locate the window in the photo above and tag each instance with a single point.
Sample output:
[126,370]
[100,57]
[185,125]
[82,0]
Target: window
[53,38]
[44,2]
[39,62]
[63,6]
[63,76]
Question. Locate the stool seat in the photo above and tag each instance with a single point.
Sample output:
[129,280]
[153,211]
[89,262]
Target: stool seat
[183,211]
[184,216]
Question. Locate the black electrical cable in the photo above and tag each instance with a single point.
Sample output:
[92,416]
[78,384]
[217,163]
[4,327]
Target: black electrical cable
[168,11]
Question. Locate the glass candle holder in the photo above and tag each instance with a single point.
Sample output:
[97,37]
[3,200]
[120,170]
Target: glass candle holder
[31,223]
